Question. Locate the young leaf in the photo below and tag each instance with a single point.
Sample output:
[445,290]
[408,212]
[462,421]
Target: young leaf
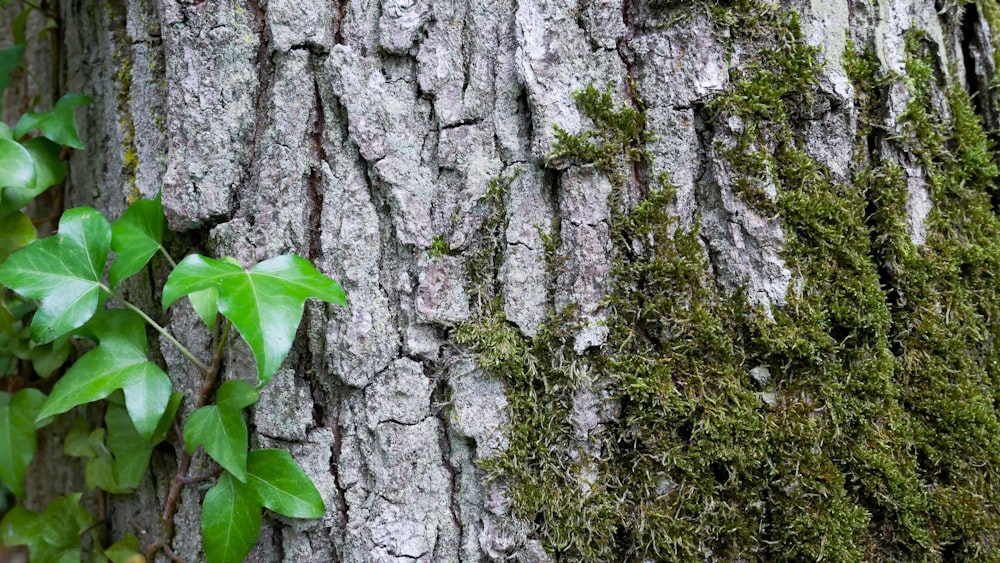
[16,232]
[221,428]
[17,436]
[63,271]
[282,485]
[51,536]
[17,169]
[135,238]
[265,303]
[49,171]
[119,362]
[125,550]
[230,521]
[59,125]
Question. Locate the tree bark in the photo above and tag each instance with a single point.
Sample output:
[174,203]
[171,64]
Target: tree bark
[405,148]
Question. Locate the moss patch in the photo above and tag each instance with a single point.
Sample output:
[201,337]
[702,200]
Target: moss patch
[859,423]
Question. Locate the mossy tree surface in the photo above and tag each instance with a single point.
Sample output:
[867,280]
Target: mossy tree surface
[873,433]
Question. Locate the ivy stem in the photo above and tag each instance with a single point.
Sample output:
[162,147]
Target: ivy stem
[166,255]
[201,365]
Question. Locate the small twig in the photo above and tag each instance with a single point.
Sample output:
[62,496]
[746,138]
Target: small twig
[184,459]
[170,553]
[202,478]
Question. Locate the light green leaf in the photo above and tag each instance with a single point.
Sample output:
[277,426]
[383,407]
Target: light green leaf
[119,362]
[10,58]
[125,550]
[77,442]
[16,232]
[206,304]
[17,436]
[6,132]
[265,303]
[58,125]
[135,238]
[230,521]
[51,536]
[63,271]
[282,485]
[49,171]
[17,169]
[130,450]
[220,428]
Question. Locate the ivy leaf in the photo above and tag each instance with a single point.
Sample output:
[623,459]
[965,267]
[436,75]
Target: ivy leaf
[220,428]
[130,450]
[51,536]
[265,303]
[47,358]
[17,169]
[230,521]
[16,232]
[63,271]
[10,58]
[49,171]
[17,436]
[163,426]
[125,550]
[282,485]
[206,304]
[58,125]
[135,238]
[119,362]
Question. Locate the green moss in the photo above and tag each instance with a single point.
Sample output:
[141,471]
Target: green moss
[439,247]
[875,436]
[123,61]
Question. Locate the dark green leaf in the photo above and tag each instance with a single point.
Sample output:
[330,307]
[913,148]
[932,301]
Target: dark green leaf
[135,238]
[10,58]
[20,26]
[49,171]
[130,450]
[77,442]
[230,521]
[282,485]
[221,429]
[63,271]
[17,169]
[119,362]
[58,125]
[46,358]
[17,436]
[16,232]
[51,536]
[265,303]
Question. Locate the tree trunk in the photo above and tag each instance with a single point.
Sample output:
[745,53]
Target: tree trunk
[734,301]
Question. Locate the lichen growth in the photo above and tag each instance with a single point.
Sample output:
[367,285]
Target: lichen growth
[874,435]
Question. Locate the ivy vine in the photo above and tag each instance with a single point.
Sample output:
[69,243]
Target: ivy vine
[61,293]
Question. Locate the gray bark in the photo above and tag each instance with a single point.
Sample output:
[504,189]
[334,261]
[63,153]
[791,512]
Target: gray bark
[356,133]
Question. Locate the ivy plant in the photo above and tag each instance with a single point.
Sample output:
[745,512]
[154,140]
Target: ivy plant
[61,295]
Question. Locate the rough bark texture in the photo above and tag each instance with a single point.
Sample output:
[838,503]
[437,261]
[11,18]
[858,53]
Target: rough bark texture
[402,146]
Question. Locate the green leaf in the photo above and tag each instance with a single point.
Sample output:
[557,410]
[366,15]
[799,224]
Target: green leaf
[16,232]
[17,436]
[163,426]
[135,238]
[282,485]
[10,58]
[51,536]
[20,26]
[49,171]
[265,303]
[206,304]
[47,358]
[220,428]
[59,125]
[119,362]
[77,442]
[130,450]
[125,550]
[6,132]
[63,271]
[230,521]
[17,169]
